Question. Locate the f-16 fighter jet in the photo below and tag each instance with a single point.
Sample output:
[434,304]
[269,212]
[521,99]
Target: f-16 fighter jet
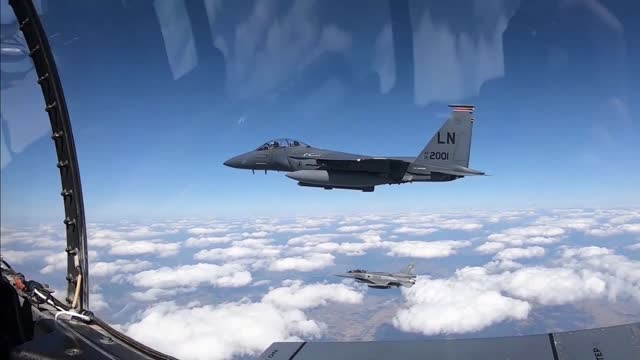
[383,280]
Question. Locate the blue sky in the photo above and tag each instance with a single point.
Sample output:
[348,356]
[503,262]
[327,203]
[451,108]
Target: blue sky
[158,104]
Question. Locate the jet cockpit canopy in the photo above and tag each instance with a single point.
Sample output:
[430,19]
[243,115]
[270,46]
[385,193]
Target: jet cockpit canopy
[281,143]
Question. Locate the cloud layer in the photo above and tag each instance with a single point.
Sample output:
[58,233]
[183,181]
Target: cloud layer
[481,268]
[238,328]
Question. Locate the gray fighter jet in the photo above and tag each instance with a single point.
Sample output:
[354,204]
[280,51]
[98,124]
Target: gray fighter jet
[383,280]
[445,158]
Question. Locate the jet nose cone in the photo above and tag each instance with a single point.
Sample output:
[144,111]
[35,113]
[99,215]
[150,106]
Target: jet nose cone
[234,162]
[344,275]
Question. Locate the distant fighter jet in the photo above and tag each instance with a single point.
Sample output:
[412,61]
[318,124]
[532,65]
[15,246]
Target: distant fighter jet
[445,158]
[383,280]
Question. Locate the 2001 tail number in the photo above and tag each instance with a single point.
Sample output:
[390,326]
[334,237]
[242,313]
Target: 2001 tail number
[436,155]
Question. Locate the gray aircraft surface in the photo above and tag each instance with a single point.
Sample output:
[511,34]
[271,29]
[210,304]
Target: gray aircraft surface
[383,280]
[445,158]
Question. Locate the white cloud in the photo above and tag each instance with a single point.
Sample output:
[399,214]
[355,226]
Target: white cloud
[504,289]
[622,275]
[627,218]
[322,243]
[496,265]
[97,302]
[256,234]
[155,294]
[140,247]
[571,221]
[315,222]
[416,218]
[588,251]
[248,248]
[529,235]
[504,216]
[306,262]
[361,219]
[610,230]
[20,257]
[98,235]
[249,327]
[532,231]
[58,262]
[227,275]
[553,286]
[42,236]
[292,229]
[425,249]
[459,224]
[455,306]
[424,224]
[117,266]
[141,232]
[414,230]
[490,247]
[205,230]
[311,239]
[631,228]
[358,228]
[371,236]
[207,240]
[346,248]
[299,296]
[520,253]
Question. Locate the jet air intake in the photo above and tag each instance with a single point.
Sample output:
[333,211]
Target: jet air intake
[338,179]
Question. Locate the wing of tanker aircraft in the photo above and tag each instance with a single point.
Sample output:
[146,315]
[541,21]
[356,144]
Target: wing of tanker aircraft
[444,158]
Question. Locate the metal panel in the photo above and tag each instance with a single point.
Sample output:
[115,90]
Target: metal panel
[611,343]
[618,342]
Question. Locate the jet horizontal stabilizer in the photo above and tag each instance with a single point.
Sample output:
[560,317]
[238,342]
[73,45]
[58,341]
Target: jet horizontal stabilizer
[455,170]
[460,171]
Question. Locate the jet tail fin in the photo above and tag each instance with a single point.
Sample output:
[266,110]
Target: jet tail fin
[408,270]
[451,145]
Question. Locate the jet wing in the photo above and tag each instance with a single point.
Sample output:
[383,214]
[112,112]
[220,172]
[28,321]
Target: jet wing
[611,343]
